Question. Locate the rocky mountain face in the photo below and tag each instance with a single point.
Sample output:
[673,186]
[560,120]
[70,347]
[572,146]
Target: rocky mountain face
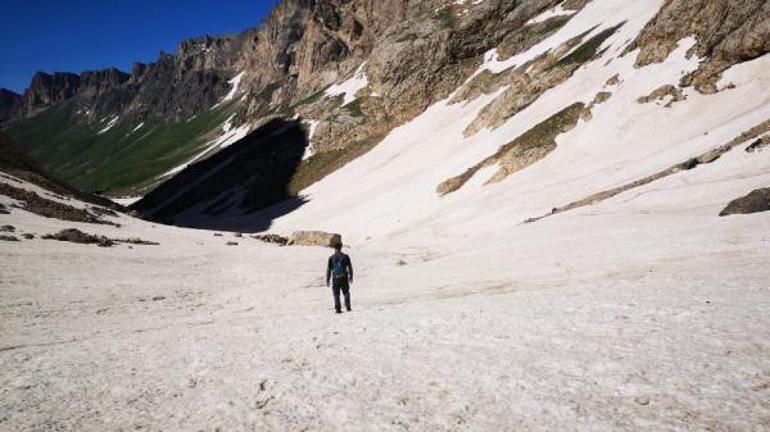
[350,71]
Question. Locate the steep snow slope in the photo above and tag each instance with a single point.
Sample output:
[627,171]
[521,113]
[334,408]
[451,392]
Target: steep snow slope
[392,188]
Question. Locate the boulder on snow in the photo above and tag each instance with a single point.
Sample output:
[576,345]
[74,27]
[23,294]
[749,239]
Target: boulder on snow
[8,238]
[314,238]
[7,228]
[756,201]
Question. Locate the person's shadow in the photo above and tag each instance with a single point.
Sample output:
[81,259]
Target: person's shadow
[243,187]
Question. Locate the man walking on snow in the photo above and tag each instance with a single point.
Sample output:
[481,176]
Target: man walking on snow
[340,270]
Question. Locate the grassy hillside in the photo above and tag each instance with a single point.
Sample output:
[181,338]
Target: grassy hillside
[119,161]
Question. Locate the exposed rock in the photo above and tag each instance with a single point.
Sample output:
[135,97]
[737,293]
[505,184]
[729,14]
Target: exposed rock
[314,238]
[35,203]
[7,228]
[272,238]
[759,144]
[46,90]
[6,237]
[9,103]
[727,32]
[74,235]
[137,241]
[546,72]
[661,92]
[28,236]
[232,243]
[523,151]
[4,209]
[756,201]
[600,98]
[689,164]
[613,80]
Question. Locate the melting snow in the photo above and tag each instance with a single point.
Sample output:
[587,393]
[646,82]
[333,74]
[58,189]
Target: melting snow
[350,87]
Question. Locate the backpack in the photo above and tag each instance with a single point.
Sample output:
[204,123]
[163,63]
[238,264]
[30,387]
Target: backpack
[338,266]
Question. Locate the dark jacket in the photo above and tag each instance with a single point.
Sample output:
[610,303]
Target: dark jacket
[347,266]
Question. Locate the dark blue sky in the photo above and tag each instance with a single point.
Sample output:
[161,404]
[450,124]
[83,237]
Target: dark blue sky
[79,35]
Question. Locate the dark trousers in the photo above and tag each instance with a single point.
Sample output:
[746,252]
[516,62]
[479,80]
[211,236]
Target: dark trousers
[337,285]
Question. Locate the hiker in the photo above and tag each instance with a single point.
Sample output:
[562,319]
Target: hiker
[340,270]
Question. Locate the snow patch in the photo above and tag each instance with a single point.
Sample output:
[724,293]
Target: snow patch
[229,136]
[126,201]
[139,126]
[350,87]
[599,15]
[551,13]
[234,83]
[109,126]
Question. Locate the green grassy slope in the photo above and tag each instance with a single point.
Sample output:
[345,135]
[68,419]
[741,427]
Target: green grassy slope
[119,161]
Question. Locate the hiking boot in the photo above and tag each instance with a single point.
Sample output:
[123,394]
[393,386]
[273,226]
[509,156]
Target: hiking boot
[338,311]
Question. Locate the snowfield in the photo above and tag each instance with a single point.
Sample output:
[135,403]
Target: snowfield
[643,311]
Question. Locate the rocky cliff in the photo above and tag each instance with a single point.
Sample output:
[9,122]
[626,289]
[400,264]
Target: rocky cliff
[351,71]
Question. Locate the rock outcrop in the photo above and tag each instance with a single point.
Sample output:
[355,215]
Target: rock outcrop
[756,201]
[314,238]
[727,32]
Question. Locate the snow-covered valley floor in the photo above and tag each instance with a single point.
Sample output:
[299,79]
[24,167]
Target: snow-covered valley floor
[645,311]
[609,318]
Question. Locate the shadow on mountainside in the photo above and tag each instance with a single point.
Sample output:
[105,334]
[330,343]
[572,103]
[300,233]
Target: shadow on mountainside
[241,188]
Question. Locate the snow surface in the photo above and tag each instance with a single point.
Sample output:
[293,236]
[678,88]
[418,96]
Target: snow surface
[234,83]
[228,137]
[139,126]
[350,87]
[550,13]
[645,311]
[126,201]
[113,121]
[310,150]
[597,15]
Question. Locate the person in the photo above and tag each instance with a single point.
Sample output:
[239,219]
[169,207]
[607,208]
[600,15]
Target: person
[340,270]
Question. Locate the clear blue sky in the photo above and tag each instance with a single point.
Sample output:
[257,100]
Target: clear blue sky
[79,35]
